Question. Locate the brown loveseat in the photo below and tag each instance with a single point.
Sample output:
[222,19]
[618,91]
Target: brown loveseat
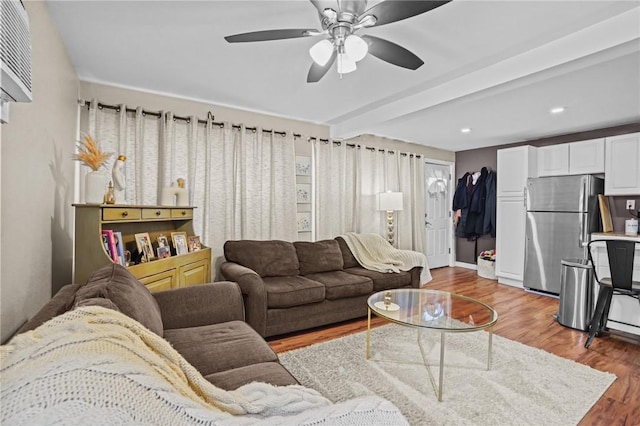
[205,323]
[295,286]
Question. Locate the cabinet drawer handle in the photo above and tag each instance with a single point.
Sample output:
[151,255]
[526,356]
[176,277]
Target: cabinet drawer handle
[125,213]
[184,213]
[158,212]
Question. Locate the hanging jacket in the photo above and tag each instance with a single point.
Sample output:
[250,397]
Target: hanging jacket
[461,202]
[477,196]
[489,225]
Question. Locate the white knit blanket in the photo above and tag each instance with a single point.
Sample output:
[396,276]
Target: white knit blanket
[97,366]
[374,252]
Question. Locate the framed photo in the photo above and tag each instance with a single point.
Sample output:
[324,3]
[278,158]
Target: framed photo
[164,252]
[303,193]
[303,166]
[179,240]
[163,241]
[143,243]
[304,221]
[194,243]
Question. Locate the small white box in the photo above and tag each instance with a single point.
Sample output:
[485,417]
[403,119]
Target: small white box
[486,268]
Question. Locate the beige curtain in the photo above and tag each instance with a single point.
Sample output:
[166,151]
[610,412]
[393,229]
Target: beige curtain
[347,183]
[241,180]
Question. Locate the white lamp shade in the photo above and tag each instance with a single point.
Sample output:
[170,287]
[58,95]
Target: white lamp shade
[321,52]
[390,201]
[356,47]
[346,64]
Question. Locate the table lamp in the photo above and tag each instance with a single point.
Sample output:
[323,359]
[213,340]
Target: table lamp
[390,202]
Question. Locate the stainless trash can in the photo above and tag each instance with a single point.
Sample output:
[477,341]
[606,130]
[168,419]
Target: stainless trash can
[578,294]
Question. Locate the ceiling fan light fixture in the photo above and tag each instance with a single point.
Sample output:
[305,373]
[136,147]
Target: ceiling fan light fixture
[346,64]
[321,52]
[356,47]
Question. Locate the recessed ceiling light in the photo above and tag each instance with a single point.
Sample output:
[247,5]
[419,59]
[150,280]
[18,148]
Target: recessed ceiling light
[557,110]
[465,130]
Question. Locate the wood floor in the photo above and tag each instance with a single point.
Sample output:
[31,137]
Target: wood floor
[528,318]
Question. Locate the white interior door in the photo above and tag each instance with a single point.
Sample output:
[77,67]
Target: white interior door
[438,214]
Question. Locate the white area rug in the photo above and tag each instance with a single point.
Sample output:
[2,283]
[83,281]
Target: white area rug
[526,386]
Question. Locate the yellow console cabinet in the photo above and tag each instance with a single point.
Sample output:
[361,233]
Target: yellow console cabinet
[160,274]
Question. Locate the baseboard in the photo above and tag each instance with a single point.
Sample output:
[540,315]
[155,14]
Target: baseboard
[467,265]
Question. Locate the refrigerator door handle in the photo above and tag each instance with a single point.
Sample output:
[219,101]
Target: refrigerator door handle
[583,235]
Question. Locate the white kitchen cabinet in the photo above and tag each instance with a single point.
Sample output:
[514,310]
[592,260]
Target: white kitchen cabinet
[510,240]
[624,313]
[515,165]
[622,165]
[553,160]
[586,157]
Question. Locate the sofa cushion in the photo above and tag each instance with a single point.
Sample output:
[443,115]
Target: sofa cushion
[285,292]
[265,372]
[116,283]
[220,347]
[267,258]
[319,256]
[339,284]
[381,280]
[348,260]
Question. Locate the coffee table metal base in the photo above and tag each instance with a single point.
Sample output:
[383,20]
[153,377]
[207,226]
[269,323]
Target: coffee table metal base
[439,386]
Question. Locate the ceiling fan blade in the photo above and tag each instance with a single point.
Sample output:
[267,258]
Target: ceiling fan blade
[316,72]
[396,10]
[271,35]
[392,53]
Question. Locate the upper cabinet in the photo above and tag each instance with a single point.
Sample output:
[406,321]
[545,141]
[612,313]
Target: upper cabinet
[622,165]
[553,160]
[515,165]
[575,158]
[586,157]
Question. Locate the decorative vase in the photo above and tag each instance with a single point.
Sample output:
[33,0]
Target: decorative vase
[95,185]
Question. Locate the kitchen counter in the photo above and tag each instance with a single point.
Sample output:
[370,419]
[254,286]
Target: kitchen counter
[614,236]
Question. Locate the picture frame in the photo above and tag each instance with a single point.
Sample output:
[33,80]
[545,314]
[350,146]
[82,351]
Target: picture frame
[143,243]
[194,243]
[303,193]
[179,240]
[164,252]
[303,165]
[304,221]
[163,241]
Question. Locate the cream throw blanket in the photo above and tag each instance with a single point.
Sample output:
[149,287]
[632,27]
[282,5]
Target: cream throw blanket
[97,366]
[375,253]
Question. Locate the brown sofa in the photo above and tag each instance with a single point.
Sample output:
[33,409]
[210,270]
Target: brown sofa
[205,323]
[295,286]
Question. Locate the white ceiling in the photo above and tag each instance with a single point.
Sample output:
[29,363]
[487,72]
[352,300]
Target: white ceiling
[494,66]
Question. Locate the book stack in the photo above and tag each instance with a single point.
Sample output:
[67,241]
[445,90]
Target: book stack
[114,246]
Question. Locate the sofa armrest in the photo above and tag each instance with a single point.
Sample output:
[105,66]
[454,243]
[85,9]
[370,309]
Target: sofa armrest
[253,291]
[199,305]
[415,276]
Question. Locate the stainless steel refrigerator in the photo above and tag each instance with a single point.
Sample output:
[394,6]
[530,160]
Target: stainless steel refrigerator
[562,212]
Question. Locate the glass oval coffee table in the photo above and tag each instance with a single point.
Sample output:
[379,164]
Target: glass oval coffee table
[434,310]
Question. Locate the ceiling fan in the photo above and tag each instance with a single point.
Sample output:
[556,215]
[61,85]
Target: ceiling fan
[340,20]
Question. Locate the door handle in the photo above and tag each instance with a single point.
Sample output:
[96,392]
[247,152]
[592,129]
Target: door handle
[427,223]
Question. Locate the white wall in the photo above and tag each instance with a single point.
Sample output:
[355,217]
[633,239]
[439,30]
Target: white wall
[37,180]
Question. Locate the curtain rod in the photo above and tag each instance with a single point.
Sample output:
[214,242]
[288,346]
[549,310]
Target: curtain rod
[188,119]
[370,148]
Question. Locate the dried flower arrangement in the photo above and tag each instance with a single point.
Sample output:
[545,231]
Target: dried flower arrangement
[90,154]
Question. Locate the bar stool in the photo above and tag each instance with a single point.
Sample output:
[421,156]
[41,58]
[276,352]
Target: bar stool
[621,253]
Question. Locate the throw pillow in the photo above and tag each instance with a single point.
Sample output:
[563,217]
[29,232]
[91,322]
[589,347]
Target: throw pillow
[267,258]
[319,256]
